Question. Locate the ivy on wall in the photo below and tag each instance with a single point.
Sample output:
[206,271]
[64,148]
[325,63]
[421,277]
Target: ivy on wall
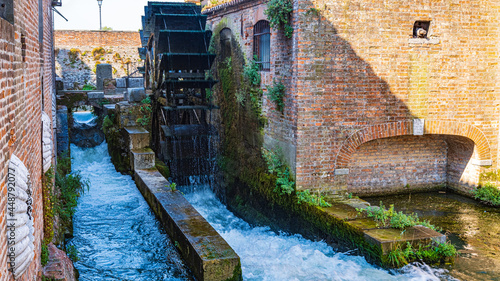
[279,13]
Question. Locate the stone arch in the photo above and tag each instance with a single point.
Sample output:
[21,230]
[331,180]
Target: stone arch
[401,128]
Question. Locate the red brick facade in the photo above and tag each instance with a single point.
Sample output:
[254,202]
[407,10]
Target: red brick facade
[26,88]
[356,79]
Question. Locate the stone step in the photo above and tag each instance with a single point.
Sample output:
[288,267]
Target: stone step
[109,109]
[143,158]
[137,137]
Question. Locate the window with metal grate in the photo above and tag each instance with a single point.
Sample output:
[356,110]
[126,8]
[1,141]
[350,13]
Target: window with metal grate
[262,44]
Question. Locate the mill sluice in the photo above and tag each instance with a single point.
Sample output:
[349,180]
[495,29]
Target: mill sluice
[177,61]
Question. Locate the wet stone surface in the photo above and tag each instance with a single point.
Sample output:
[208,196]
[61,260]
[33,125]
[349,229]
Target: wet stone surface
[472,227]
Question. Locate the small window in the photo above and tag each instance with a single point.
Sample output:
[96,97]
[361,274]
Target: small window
[7,10]
[262,44]
[421,29]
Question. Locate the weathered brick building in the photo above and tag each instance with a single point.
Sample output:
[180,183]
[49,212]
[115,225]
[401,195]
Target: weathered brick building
[381,96]
[26,90]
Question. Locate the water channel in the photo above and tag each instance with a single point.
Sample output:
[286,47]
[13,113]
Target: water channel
[119,238]
[115,232]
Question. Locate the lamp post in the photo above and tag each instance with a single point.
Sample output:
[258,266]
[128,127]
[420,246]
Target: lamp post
[100,19]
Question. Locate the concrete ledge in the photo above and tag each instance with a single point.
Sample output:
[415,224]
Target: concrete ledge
[386,239]
[205,252]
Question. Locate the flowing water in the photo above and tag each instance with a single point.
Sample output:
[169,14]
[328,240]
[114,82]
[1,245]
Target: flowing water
[118,237]
[472,227]
[266,255]
[115,232]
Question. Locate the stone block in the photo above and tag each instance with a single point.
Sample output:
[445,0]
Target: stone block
[137,137]
[109,109]
[206,253]
[109,83]
[95,95]
[121,83]
[135,82]
[103,71]
[127,114]
[143,158]
[135,94]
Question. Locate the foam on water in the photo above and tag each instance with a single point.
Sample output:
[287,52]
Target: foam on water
[84,117]
[115,232]
[266,255]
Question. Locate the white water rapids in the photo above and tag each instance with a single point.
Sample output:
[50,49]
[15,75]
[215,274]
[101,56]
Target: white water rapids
[118,237]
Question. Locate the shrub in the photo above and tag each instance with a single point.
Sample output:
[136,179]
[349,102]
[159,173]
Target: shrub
[276,94]
[488,193]
[311,199]
[45,254]
[279,12]
[393,219]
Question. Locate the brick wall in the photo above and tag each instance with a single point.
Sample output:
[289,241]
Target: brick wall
[385,164]
[93,38]
[20,110]
[281,127]
[82,70]
[354,73]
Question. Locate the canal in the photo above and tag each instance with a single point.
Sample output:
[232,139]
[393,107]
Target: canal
[115,233]
[119,238]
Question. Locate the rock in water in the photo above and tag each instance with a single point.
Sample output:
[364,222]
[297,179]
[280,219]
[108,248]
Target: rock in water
[86,134]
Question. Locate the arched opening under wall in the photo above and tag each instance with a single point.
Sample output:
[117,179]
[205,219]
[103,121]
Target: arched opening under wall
[411,163]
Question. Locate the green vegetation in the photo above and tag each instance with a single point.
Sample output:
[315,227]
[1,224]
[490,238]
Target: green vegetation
[106,28]
[279,13]
[45,254]
[69,186]
[88,87]
[72,253]
[106,124]
[312,199]
[251,78]
[98,52]
[162,168]
[172,186]
[391,218]
[276,93]
[488,193]
[146,112]
[48,206]
[252,73]
[433,254]
[284,182]
[73,55]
